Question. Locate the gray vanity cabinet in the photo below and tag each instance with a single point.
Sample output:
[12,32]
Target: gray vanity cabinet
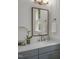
[50,52]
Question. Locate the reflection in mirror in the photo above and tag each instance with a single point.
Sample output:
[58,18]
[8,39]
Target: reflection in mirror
[40,21]
[37,21]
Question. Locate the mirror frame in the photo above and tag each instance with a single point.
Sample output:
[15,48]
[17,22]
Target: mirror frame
[47,22]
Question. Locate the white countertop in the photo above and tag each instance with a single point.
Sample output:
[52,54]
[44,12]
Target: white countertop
[37,45]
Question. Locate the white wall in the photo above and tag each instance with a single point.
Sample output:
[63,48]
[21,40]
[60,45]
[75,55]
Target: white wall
[24,13]
[55,13]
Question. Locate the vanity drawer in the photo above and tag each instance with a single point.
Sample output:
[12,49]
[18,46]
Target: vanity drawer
[28,53]
[49,48]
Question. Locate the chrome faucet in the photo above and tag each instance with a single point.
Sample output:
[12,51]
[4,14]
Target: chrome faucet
[42,38]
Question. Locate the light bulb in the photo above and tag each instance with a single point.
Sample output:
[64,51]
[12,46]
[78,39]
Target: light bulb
[45,1]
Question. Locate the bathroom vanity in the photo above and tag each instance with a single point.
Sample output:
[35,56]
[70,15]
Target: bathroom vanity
[38,20]
[40,50]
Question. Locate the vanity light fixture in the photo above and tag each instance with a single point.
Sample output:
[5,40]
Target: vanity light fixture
[41,2]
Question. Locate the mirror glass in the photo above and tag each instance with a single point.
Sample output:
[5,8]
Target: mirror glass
[39,21]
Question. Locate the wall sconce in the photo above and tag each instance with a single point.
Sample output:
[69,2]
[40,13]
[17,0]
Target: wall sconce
[41,2]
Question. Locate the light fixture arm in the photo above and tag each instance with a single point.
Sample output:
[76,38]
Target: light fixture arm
[41,2]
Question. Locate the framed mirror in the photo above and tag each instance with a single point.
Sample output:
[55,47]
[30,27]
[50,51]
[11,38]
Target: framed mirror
[40,21]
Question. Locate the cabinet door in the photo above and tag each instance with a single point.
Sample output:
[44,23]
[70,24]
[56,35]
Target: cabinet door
[50,55]
[49,48]
[54,56]
[34,57]
[32,54]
